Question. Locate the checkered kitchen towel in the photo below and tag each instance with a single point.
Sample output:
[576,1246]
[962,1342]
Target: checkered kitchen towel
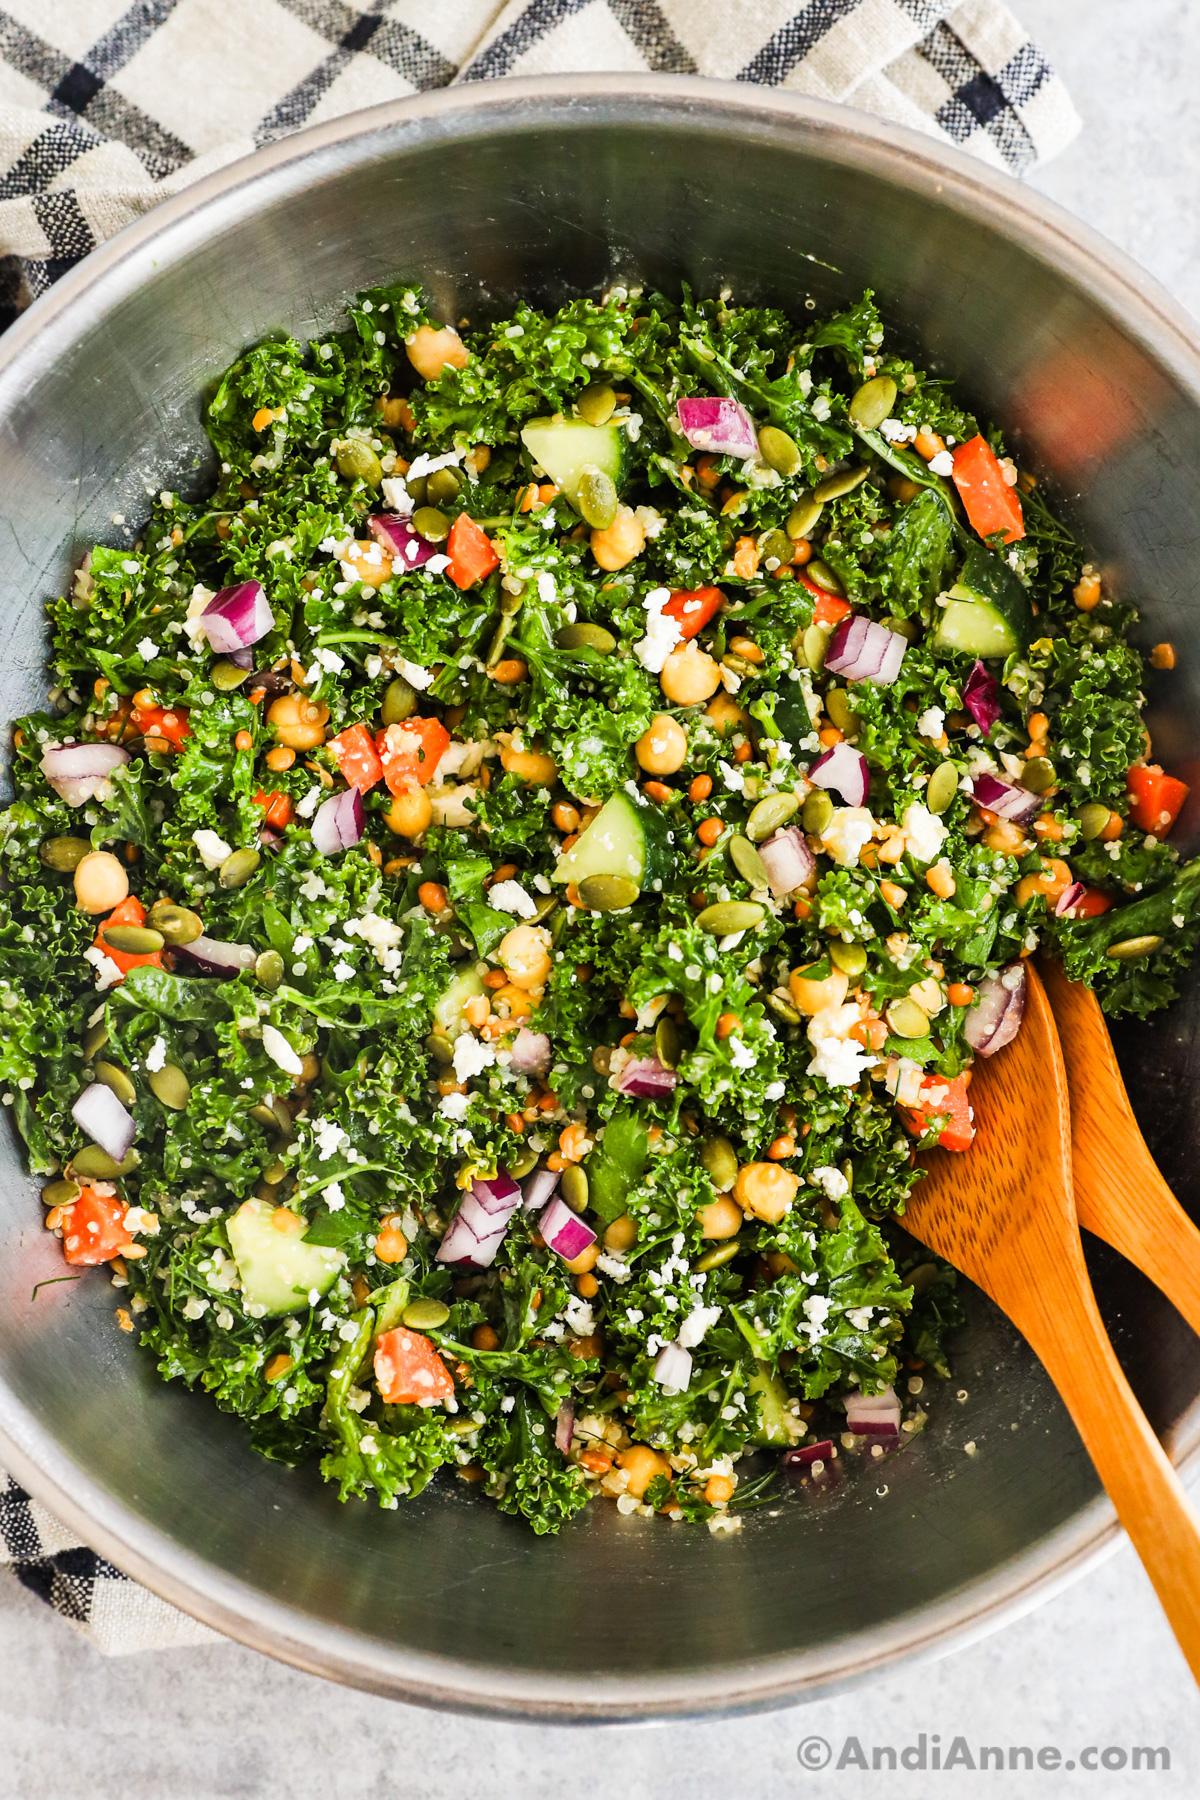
[106,107]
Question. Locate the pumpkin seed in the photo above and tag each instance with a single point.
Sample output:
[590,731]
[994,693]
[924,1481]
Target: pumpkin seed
[95,1164]
[608,893]
[719,1158]
[237,869]
[64,853]
[357,461]
[778,450]
[1134,947]
[739,666]
[780,1003]
[777,550]
[1038,775]
[1092,819]
[545,906]
[824,577]
[399,702]
[442,487]
[132,940]
[269,970]
[573,1184]
[263,1115]
[835,486]
[817,811]
[94,1038]
[522,1164]
[274,1173]
[943,785]
[602,1058]
[416,488]
[284,1123]
[873,403]
[596,498]
[500,637]
[748,863]
[440,1047]
[906,1019]
[666,1042]
[815,643]
[433,525]
[597,403]
[177,924]
[840,708]
[905,628]
[850,958]
[117,1081]
[921,1278]
[171,1086]
[586,637]
[720,1253]
[803,517]
[731,915]
[769,815]
[60,1193]
[226,676]
[425,1314]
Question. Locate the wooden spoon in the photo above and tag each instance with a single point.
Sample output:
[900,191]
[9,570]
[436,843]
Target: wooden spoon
[1004,1214]
[1119,1193]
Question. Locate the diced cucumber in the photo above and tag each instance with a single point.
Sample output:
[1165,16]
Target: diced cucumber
[566,447]
[988,582]
[789,709]
[625,838]
[973,628]
[448,1013]
[773,1414]
[279,1270]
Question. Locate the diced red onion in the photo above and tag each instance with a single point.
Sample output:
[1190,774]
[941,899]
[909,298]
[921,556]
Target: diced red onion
[1070,896]
[787,859]
[538,1189]
[563,1231]
[564,1425]
[861,650]
[981,697]
[995,1017]
[1005,798]
[237,617]
[338,822]
[98,1112]
[498,1195]
[530,1053]
[720,427]
[406,547]
[874,1415]
[210,957]
[473,1235]
[804,1454]
[77,772]
[673,1368]
[645,1078]
[844,769]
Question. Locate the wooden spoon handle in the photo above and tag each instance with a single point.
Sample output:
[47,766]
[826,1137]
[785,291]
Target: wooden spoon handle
[1069,1336]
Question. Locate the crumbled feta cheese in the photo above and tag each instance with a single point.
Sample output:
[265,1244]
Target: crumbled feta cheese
[306,807]
[414,674]
[897,432]
[924,831]
[107,972]
[334,1196]
[932,722]
[147,649]
[453,1106]
[941,464]
[850,828]
[471,1057]
[510,897]
[280,1051]
[696,1324]
[662,632]
[740,1054]
[213,849]
[831,1181]
[156,1056]
[838,1059]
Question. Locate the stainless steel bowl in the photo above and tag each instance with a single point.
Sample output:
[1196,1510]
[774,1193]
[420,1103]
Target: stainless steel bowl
[542,189]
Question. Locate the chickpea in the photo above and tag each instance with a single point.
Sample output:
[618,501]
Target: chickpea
[100,882]
[433,348]
[298,722]
[524,954]
[619,542]
[662,749]
[621,1234]
[818,996]
[410,814]
[1005,837]
[565,818]
[370,561]
[533,766]
[689,676]
[641,1464]
[585,1262]
[725,715]
[721,1218]
[766,1189]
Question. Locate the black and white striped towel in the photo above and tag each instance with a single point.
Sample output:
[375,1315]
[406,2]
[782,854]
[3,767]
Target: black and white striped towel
[107,106]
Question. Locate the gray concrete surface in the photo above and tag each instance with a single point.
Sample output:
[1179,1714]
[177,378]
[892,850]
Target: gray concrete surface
[1095,1668]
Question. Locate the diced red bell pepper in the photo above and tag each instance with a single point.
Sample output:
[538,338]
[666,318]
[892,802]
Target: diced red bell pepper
[992,505]
[94,1228]
[277,808]
[692,608]
[357,757]
[940,1098]
[130,912]
[1091,903]
[410,752]
[409,1370]
[471,551]
[1156,798]
[169,722]
[828,607]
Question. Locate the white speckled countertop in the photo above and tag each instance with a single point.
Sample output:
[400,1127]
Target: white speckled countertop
[1094,1667]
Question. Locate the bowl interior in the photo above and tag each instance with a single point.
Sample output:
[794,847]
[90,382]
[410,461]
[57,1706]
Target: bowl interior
[546,191]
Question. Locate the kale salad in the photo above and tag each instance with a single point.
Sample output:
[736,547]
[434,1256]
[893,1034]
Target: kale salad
[505,885]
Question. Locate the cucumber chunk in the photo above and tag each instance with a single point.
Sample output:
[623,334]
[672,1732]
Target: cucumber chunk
[973,628]
[625,838]
[278,1269]
[566,447]
[448,1013]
